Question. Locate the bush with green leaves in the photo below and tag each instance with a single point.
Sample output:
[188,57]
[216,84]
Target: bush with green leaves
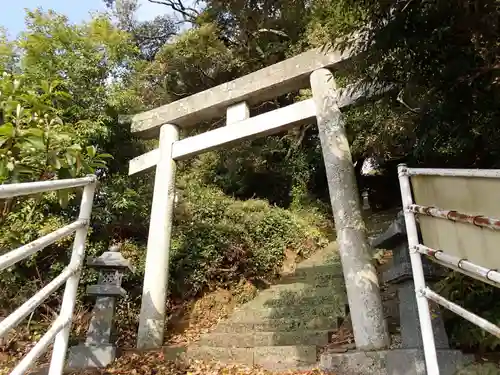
[478,297]
[35,142]
[218,240]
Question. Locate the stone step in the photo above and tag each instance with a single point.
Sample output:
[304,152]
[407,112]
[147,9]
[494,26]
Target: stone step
[319,296]
[301,287]
[313,276]
[258,339]
[298,290]
[279,325]
[269,357]
[328,256]
[299,311]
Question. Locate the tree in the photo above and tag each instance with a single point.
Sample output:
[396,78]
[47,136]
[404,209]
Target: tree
[149,36]
[443,57]
[86,57]
[7,53]
[35,143]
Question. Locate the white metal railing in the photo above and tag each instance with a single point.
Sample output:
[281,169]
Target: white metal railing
[60,329]
[424,293]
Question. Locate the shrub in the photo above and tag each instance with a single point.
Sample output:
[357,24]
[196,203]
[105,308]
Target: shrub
[218,240]
[477,297]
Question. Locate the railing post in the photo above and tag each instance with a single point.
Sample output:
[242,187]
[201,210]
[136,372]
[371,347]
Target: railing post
[363,290]
[424,314]
[69,297]
[154,294]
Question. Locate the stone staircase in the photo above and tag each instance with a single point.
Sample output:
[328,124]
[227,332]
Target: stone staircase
[285,325]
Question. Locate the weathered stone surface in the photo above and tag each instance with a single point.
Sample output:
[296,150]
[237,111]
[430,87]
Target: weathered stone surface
[363,290]
[154,288]
[355,363]
[391,362]
[91,356]
[280,325]
[271,357]
[255,315]
[225,355]
[110,259]
[480,369]
[106,290]
[267,83]
[97,351]
[101,324]
[278,297]
[410,324]
[257,339]
[285,357]
[393,236]
[411,362]
[312,276]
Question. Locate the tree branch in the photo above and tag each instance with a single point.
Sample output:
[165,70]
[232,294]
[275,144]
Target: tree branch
[189,14]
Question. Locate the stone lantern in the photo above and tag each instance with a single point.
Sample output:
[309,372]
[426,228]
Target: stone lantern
[98,350]
[409,359]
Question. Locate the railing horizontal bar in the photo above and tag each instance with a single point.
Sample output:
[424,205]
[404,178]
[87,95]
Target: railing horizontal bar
[40,347]
[14,256]
[477,220]
[466,273]
[486,173]
[481,273]
[473,318]
[30,305]
[25,188]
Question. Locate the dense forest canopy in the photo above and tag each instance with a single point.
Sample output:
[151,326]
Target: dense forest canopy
[65,85]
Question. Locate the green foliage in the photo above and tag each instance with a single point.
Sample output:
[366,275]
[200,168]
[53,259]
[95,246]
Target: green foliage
[83,56]
[196,60]
[219,240]
[442,58]
[35,143]
[479,298]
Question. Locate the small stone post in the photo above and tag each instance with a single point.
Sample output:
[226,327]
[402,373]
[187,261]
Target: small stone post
[98,350]
[363,291]
[154,292]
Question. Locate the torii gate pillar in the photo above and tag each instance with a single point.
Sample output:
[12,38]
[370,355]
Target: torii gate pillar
[154,293]
[363,291]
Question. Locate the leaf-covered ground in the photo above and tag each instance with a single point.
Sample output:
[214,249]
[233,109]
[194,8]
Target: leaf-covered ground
[153,363]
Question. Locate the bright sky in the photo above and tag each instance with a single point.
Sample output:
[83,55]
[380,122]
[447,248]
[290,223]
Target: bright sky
[12,12]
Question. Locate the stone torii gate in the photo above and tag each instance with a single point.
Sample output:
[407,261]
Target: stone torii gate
[305,70]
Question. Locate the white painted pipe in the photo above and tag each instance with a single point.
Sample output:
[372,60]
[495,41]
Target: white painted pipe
[30,305]
[25,188]
[459,264]
[486,173]
[14,256]
[69,297]
[459,310]
[424,314]
[41,347]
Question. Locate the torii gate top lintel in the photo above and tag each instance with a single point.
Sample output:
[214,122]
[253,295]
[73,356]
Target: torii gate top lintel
[264,84]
